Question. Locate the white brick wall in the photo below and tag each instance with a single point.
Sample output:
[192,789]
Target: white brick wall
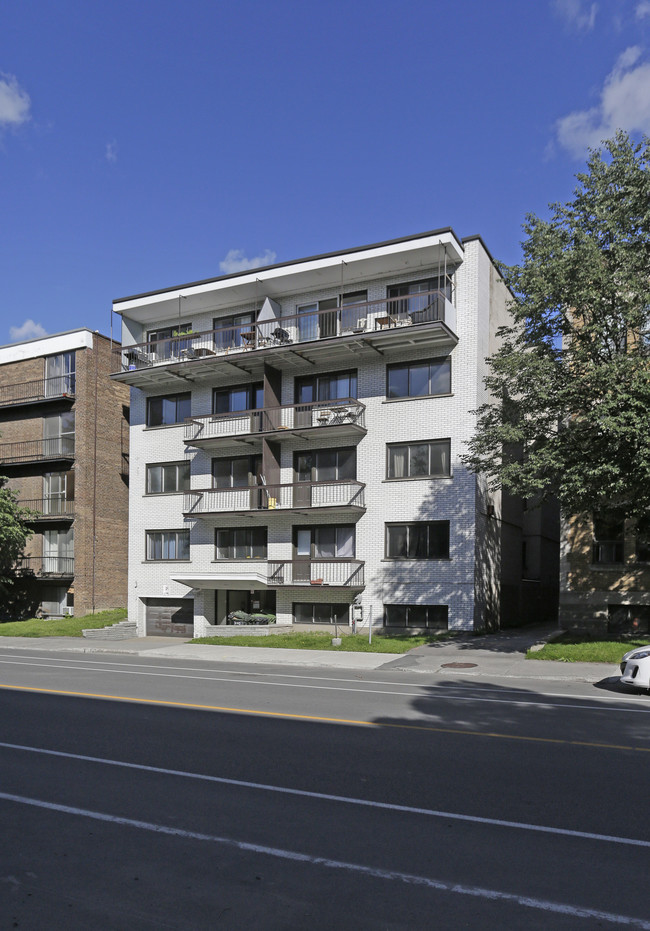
[459,582]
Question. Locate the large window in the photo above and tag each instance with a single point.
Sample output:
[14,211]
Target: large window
[608,539]
[168,409]
[234,331]
[419,379]
[331,387]
[162,343]
[59,434]
[314,613]
[326,465]
[317,320]
[60,374]
[238,398]
[237,472]
[428,459]
[430,616]
[241,543]
[327,542]
[421,540]
[168,544]
[167,477]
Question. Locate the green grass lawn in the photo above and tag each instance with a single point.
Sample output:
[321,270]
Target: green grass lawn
[61,626]
[350,643]
[580,648]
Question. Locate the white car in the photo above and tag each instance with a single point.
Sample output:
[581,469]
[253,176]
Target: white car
[635,668]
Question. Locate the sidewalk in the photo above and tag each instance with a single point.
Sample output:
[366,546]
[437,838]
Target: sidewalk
[498,655]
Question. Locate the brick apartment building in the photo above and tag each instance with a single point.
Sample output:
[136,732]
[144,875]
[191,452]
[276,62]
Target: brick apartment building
[64,448]
[296,434]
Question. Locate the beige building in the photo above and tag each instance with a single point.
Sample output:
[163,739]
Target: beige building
[605,575]
[64,448]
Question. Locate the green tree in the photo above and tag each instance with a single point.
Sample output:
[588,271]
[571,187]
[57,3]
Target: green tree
[14,534]
[570,383]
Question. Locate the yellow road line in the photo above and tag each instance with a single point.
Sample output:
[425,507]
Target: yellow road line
[310,717]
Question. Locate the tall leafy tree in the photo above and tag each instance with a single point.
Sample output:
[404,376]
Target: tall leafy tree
[570,383]
[14,534]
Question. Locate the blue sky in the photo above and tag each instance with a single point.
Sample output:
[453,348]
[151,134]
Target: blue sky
[149,143]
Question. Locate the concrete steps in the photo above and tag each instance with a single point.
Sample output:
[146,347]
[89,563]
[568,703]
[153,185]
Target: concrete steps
[123,630]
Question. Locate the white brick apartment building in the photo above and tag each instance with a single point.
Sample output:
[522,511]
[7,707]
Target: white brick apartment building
[295,442]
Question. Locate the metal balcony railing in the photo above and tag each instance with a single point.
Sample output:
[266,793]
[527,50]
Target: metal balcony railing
[345,412]
[41,389]
[346,573]
[52,507]
[366,317]
[47,565]
[299,495]
[56,447]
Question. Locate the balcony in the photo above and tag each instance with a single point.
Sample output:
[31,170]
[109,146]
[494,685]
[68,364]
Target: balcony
[47,566]
[391,324]
[268,500]
[49,509]
[43,389]
[261,573]
[52,448]
[345,417]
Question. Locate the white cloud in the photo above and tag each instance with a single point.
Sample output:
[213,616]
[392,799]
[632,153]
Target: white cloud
[236,261]
[624,104]
[643,9]
[28,330]
[577,14]
[111,151]
[14,102]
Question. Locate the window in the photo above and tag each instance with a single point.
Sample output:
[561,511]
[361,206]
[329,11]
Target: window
[419,379]
[331,387]
[167,477]
[415,293]
[58,489]
[329,542]
[241,543]
[309,613]
[419,460]
[318,320]
[60,374]
[229,330]
[168,544]
[643,539]
[434,617]
[238,398]
[326,465]
[58,434]
[608,539]
[237,472]
[421,540]
[161,343]
[168,409]
[354,311]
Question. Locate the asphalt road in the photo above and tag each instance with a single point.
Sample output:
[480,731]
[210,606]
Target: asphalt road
[147,793]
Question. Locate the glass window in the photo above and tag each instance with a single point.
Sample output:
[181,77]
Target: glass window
[326,465]
[419,379]
[434,617]
[419,460]
[326,542]
[167,477]
[332,387]
[608,539]
[168,409]
[241,543]
[419,540]
[317,613]
[239,398]
[235,473]
[60,374]
[168,544]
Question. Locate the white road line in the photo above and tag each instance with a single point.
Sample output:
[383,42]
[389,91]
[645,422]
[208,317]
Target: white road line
[321,796]
[438,885]
[357,689]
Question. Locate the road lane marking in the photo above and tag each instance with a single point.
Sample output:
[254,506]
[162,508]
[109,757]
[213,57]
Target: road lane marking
[328,720]
[494,895]
[322,796]
[389,688]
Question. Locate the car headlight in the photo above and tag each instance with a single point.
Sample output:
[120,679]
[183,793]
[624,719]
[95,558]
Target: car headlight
[642,655]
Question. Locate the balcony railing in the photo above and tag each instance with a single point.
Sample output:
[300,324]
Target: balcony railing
[271,498]
[49,508]
[367,317]
[55,447]
[343,413]
[47,565]
[42,389]
[346,573]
